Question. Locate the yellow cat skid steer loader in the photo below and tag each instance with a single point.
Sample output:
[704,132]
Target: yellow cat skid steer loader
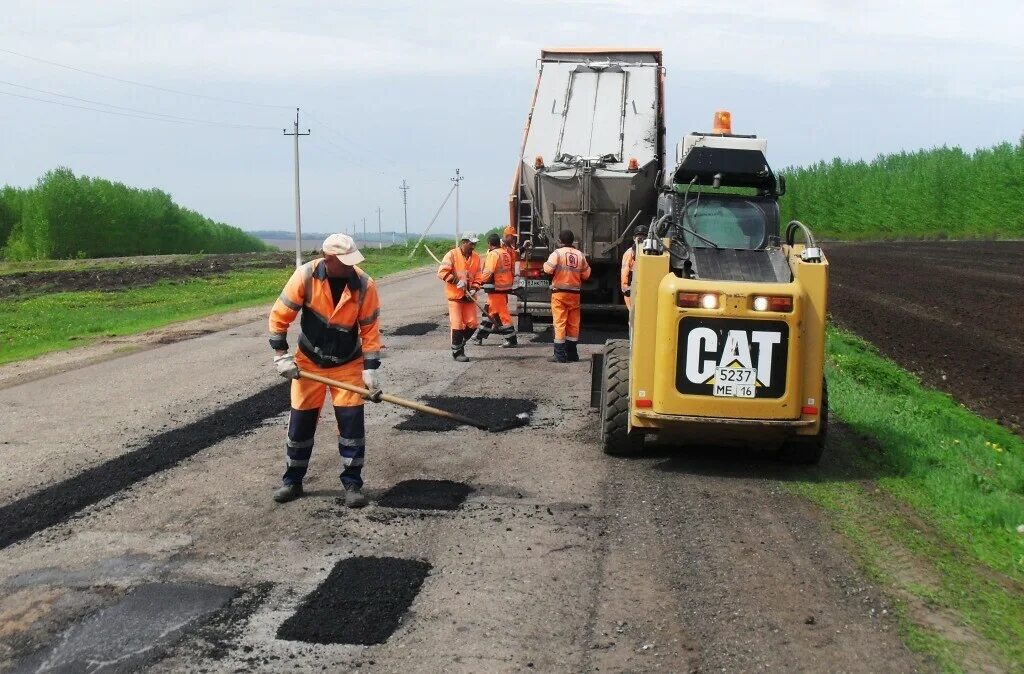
[727,330]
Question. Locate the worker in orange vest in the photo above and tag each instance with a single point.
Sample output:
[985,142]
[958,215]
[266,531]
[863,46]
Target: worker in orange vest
[628,260]
[568,268]
[340,339]
[460,269]
[497,278]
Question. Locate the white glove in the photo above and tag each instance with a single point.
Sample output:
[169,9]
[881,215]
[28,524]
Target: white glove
[286,366]
[461,285]
[371,379]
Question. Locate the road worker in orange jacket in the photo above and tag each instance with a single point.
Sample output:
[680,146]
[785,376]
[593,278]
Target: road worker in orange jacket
[339,339]
[628,260]
[497,278]
[568,268]
[460,269]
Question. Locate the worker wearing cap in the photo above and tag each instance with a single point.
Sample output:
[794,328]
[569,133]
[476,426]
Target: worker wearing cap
[459,270]
[628,260]
[497,278]
[568,268]
[340,339]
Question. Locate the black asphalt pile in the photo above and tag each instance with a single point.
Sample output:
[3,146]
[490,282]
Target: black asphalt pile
[498,414]
[414,329]
[59,502]
[592,335]
[426,495]
[362,601]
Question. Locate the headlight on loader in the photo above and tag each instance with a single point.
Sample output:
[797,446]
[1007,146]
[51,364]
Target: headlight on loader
[780,303]
[689,300]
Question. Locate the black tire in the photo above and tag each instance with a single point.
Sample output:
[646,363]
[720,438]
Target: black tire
[525,323]
[808,450]
[616,438]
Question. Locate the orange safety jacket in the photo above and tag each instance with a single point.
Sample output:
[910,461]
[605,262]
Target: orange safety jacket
[499,270]
[332,335]
[457,267]
[568,268]
[626,273]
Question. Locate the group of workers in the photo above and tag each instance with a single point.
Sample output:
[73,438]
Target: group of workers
[340,334]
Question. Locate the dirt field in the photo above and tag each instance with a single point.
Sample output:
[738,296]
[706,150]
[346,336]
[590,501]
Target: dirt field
[125,273]
[949,311]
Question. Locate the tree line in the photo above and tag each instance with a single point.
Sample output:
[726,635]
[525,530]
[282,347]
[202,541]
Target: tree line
[938,193]
[69,216]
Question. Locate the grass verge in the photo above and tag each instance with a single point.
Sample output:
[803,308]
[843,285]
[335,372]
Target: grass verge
[930,497]
[36,325]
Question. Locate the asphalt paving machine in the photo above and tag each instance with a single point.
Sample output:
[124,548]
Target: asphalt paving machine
[727,330]
[592,151]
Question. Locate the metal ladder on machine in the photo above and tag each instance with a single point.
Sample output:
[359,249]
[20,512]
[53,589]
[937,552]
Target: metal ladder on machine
[524,223]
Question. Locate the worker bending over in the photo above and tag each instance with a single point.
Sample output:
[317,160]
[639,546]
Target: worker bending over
[459,270]
[628,260]
[340,339]
[568,268]
[497,278]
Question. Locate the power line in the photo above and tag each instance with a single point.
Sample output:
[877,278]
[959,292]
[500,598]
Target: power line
[127,114]
[142,84]
[121,107]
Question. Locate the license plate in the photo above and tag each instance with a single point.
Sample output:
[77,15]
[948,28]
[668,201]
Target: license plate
[735,382]
[536,283]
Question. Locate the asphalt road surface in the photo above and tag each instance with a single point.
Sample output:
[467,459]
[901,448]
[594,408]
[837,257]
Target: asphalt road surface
[138,529]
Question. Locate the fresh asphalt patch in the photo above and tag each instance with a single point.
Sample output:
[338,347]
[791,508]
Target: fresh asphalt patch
[588,335]
[61,501]
[362,601]
[426,495]
[413,330]
[498,414]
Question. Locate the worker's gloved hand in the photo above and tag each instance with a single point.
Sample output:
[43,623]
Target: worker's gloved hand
[461,285]
[625,293]
[286,366]
[372,382]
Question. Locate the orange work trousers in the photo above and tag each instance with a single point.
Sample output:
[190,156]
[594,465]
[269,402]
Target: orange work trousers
[462,315]
[565,314]
[309,395]
[497,309]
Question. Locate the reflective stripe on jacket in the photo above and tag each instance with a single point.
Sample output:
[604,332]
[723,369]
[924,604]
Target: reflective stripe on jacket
[568,268]
[457,267]
[332,335]
[499,269]
[626,273]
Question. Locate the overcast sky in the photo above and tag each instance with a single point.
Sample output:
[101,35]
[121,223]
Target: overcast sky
[414,90]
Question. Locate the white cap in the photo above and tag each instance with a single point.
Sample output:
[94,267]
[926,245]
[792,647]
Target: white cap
[471,237]
[344,248]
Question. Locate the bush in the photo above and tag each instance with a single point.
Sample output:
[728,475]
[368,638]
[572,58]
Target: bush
[939,193]
[67,216]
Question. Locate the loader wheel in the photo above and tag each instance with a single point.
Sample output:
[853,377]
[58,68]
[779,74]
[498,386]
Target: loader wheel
[616,438]
[809,449]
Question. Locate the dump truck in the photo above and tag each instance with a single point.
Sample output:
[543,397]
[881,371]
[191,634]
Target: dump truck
[727,329]
[592,152]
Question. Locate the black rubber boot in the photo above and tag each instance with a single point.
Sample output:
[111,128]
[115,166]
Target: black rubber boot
[288,492]
[510,342]
[354,497]
[560,356]
[571,354]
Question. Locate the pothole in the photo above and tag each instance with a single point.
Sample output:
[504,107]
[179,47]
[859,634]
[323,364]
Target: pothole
[426,495]
[498,414]
[362,601]
[587,335]
[413,329]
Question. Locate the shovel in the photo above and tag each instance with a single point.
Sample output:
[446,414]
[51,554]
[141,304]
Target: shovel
[378,396]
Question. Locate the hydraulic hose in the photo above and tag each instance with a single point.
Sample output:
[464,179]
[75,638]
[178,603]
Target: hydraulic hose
[808,236]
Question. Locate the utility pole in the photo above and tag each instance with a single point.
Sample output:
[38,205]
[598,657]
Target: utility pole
[380,233]
[364,231]
[298,210]
[457,179]
[405,208]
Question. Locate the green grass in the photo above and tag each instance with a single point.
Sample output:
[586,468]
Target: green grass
[43,323]
[931,502]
